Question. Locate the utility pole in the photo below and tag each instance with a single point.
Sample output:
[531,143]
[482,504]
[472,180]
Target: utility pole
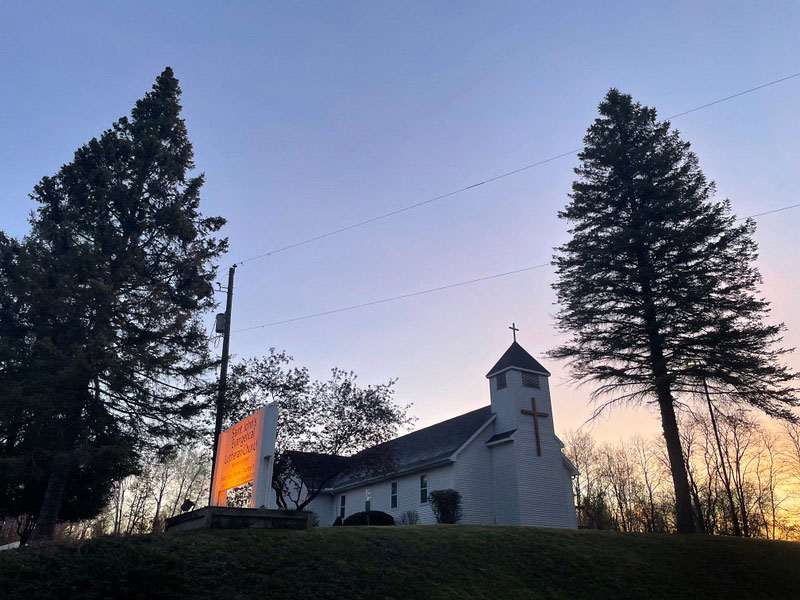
[737,531]
[223,376]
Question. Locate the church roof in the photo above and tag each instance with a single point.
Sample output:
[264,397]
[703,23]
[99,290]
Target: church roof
[428,446]
[499,437]
[516,357]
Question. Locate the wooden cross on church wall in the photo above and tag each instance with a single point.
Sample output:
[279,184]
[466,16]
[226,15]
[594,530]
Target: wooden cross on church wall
[535,414]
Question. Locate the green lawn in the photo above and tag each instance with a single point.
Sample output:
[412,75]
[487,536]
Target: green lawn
[405,562]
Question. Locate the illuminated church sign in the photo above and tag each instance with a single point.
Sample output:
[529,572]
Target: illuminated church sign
[245,453]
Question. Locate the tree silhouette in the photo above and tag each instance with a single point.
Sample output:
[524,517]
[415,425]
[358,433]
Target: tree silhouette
[325,428]
[110,286]
[657,284]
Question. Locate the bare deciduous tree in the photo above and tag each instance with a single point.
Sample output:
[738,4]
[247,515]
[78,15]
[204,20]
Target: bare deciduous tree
[627,480]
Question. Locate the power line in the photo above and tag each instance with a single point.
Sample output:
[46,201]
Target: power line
[406,208]
[402,296]
[769,212]
[491,179]
[447,287]
[691,110]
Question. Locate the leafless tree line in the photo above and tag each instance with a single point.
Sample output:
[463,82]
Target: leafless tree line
[141,503]
[748,484]
[623,486]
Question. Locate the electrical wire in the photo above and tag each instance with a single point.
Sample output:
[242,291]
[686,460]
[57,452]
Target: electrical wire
[491,179]
[770,212]
[393,298]
[445,287]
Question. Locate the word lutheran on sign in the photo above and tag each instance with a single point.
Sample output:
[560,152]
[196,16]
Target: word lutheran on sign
[536,414]
[245,453]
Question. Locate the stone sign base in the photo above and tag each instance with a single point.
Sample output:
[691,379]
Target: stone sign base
[224,517]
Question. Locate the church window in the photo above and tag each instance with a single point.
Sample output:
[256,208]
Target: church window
[501,381]
[530,380]
[394,495]
[341,507]
[423,489]
[367,500]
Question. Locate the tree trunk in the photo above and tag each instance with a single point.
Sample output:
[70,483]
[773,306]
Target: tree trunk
[669,424]
[737,530]
[683,499]
[24,528]
[59,476]
[53,496]
[700,518]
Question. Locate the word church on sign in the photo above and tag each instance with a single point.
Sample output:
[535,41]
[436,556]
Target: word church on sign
[246,453]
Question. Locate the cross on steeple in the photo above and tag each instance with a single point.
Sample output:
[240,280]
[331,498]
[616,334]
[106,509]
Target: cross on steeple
[535,414]
[514,330]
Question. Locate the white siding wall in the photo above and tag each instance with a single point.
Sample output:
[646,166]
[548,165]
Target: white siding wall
[322,506]
[504,484]
[540,479]
[473,478]
[541,490]
[408,496]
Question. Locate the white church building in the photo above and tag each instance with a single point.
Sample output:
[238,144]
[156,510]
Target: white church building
[505,459]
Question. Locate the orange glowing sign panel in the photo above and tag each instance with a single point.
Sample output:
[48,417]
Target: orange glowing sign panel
[238,452]
[244,454]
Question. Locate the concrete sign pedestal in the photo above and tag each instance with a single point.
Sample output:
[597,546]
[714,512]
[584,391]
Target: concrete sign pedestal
[224,517]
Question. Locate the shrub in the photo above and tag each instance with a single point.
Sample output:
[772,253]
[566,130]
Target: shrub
[337,522]
[372,517]
[409,517]
[446,505]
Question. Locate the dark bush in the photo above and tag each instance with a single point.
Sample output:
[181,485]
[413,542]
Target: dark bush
[337,522]
[446,505]
[372,517]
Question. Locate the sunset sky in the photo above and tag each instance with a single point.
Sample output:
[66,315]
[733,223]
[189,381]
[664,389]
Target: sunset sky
[310,116]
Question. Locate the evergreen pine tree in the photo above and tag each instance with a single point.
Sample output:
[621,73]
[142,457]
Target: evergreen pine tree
[114,279]
[657,284]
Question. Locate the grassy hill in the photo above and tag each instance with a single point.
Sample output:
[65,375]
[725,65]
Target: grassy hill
[405,562]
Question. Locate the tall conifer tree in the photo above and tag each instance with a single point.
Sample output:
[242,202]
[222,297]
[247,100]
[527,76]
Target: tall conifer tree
[114,279]
[657,285]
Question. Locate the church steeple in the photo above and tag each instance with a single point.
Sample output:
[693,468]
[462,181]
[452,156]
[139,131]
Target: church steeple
[526,454]
[516,357]
[513,381]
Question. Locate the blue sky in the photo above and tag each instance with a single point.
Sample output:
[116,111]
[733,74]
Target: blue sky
[308,116]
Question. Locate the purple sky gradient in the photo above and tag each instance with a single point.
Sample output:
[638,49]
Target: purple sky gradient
[308,116]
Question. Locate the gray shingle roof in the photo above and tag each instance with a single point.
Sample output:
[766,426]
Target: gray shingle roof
[430,445]
[500,436]
[517,356]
